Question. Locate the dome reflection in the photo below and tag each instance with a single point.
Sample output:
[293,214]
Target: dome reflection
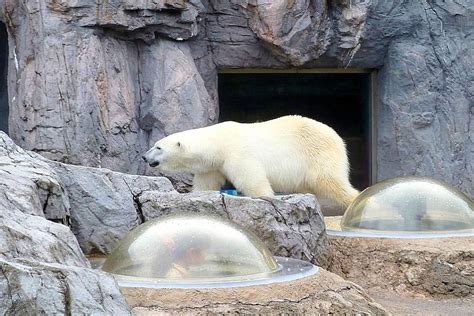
[190,247]
[408,205]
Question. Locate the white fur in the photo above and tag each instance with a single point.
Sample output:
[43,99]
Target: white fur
[289,154]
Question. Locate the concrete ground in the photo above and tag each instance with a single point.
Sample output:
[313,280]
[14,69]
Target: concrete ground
[330,208]
[423,306]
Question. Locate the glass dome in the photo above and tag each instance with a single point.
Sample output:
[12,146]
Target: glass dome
[197,251]
[187,247]
[410,205]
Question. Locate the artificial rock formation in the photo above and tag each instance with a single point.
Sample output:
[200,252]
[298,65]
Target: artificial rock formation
[29,185]
[33,287]
[104,205]
[323,294]
[89,93]
[35,251]
[95,83]
[434,267]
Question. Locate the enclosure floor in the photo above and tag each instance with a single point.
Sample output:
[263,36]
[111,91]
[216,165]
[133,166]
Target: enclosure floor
[423,306]
[330,208]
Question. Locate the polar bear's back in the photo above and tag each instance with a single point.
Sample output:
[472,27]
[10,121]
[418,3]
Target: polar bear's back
[290,149]
[302,135]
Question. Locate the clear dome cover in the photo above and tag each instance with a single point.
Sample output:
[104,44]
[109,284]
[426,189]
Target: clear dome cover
[410,205]
[187,247]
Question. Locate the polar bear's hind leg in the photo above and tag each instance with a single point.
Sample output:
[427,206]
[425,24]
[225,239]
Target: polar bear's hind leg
[210,181]
[248,177]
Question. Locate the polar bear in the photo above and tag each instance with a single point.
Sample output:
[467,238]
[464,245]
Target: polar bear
[290,154]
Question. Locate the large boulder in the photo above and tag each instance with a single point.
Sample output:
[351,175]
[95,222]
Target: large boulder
[42,267]
[104,204]
[43,270]
[28,184]
[34,238]
[34,287]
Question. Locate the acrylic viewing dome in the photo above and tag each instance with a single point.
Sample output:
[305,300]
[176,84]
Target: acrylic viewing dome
[192,250]
[410,205]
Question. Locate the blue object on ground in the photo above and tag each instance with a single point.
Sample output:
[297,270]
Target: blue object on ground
[230,192]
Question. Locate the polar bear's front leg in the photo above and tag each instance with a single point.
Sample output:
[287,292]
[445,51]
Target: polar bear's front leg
[210,181]
[248,177]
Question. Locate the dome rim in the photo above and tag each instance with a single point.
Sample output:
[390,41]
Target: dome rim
[263,278]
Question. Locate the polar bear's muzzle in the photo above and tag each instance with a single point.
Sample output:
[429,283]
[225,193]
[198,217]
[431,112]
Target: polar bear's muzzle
[154,164]
[151,162]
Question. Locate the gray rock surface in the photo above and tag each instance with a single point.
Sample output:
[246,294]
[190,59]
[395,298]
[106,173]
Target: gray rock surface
[104,204]
[95,83]
[85,87]
[135,19]
[23,236]
[430,267]
[43,271]
[290,225]
[29,185]
[36,288]
[42,267]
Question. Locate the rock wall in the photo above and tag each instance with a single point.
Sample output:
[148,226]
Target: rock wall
[88,83]
[433,267]
[3,75]
[95,83]
[42,267]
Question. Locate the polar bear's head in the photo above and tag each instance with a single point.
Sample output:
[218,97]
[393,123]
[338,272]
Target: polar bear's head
[180,152]
[166,154]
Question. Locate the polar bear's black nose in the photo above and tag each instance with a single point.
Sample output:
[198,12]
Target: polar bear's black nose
[144,158]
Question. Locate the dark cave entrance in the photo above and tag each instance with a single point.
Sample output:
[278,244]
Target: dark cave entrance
[3,78]
[337,98]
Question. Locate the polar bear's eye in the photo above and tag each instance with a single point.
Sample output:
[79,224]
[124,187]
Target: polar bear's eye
[158,147]
[179,144]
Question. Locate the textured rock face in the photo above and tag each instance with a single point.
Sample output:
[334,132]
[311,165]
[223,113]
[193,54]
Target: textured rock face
[323,294]
[90,95]
[42,268]
[439,267]
[96,84]
[297,31]
[29,185]
[104,204]
[141,19]
[56,289]
[34,238]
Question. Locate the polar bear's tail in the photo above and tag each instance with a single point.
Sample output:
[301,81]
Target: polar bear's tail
[341,191]
[349,196]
